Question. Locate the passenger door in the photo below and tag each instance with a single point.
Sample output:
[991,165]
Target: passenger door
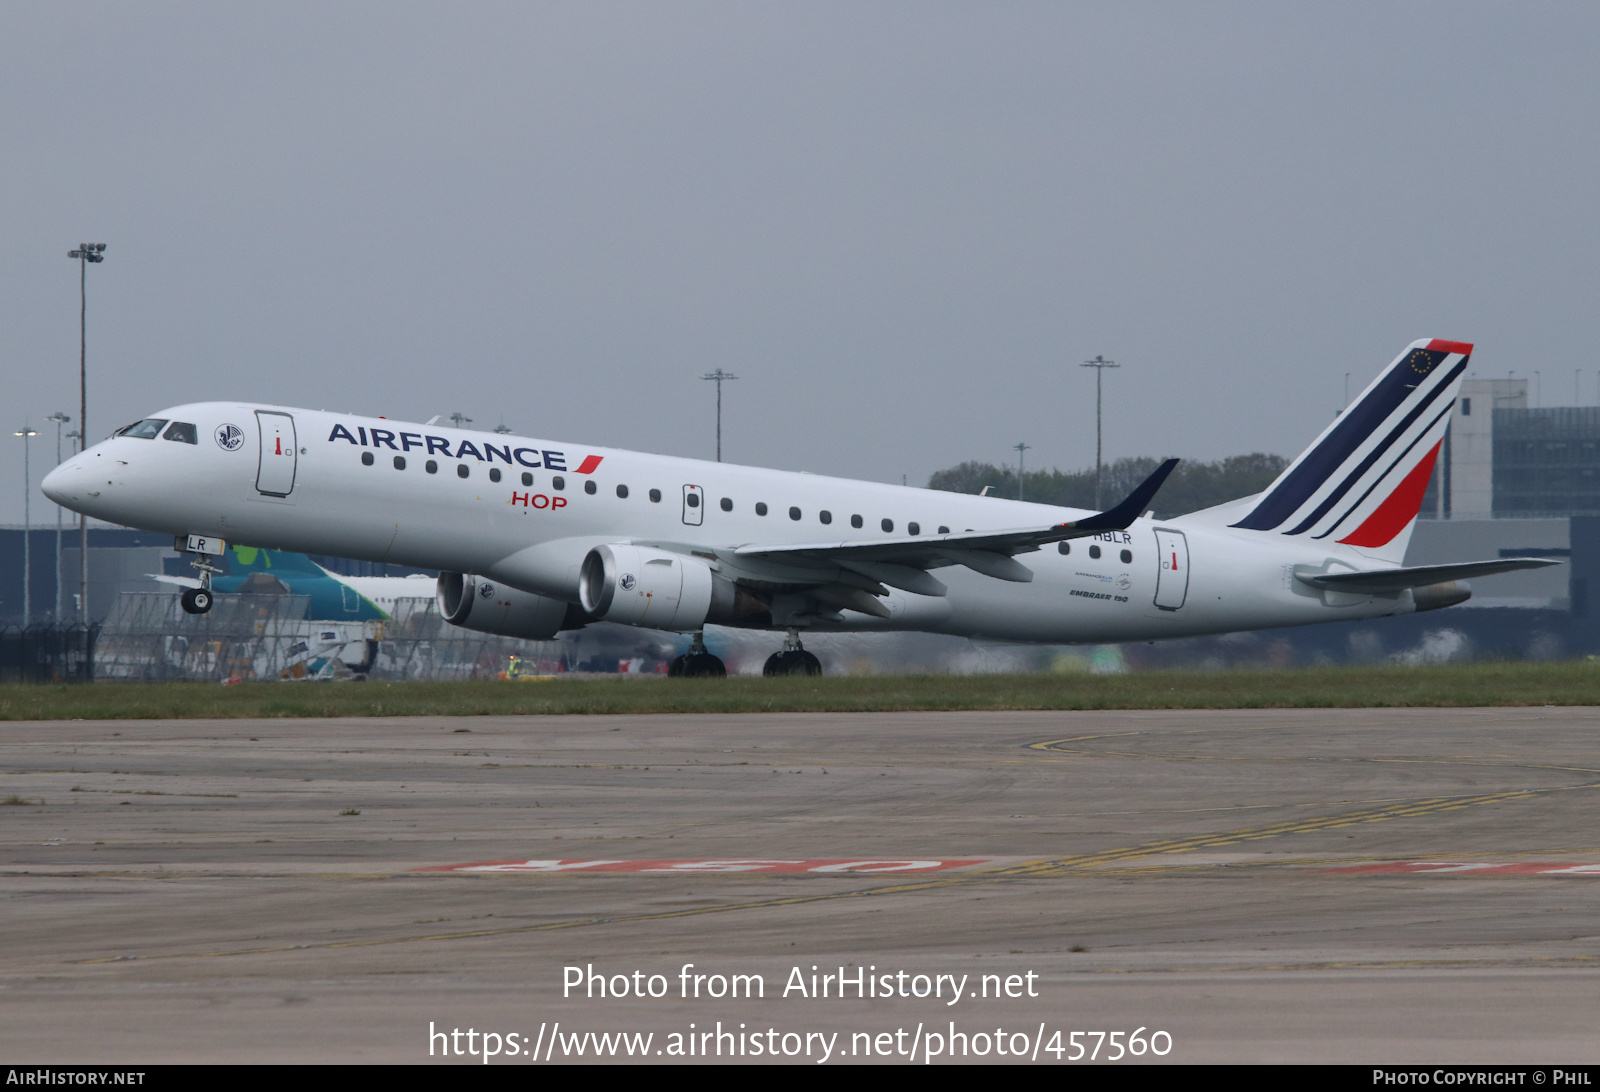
[275,475]
[694,505]
[1172,582]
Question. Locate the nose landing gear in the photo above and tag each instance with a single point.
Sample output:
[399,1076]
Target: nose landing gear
[199,600]
[697,663]
[793,660]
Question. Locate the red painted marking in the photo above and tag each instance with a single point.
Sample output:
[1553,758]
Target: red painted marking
[1174,560]
[1392,516]
[590,462]
[1462,347]
[824,866]
[1525,868]
[280,446]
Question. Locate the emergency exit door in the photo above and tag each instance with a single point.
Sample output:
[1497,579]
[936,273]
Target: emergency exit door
[694,505]
[1172,581]
[275,475]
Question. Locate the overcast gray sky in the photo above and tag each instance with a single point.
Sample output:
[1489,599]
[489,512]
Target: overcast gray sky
[902,225]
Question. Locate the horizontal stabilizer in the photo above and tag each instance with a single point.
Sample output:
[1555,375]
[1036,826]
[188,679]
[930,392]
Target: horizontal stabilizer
[1388,581]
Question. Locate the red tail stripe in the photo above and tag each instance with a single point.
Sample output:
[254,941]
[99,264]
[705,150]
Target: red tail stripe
[1462,347]
[1401,507]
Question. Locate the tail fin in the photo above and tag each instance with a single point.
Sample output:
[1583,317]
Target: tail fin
[1361,483]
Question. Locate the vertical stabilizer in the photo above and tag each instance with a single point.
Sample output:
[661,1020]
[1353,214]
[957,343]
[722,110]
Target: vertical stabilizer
[1361,482]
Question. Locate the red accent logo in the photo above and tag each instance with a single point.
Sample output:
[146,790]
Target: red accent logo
[590,462]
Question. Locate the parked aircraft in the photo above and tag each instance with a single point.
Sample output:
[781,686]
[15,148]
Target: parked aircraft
[333,597]
[534,536]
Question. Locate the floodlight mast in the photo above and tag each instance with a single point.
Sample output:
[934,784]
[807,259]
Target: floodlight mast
[27,433]
[1099,364]
[85,254]
[60,419]
[718,376]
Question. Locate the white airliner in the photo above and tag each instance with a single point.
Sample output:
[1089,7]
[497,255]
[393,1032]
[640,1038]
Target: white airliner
[536,536]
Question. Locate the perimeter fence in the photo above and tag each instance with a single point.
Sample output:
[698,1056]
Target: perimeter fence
[47,652]
[259,637]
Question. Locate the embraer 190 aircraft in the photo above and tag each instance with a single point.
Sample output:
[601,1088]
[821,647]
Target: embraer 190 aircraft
[536,536]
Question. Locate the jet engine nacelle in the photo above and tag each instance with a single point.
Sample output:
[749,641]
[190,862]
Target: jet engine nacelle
[640,586]
[474,603]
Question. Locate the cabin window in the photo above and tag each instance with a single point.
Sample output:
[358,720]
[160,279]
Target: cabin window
[943,530]
[692,500]
[1094,552]
[761,508]
[1063,547]
[399,462]
[366,458]
[558,483]
[431,466]
[494,473]
[887,525]
[727,504]
[622,492]
[855,521]
[461,470]
[655,496]
[1127,557]
[825,516]
[181,431]
[527,478]
[590,488]
[914,528]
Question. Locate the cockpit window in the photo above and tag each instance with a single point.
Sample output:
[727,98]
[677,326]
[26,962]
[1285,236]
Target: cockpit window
[182,431]
[148,429]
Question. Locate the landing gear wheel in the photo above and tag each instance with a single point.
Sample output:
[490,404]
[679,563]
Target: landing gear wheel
[196,600]
[697,665]
[792,662]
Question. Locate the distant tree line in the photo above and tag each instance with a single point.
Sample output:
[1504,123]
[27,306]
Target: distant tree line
[1193,485]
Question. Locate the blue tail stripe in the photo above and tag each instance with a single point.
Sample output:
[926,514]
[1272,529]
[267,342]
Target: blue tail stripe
[1376,453]
[1381,478]
[1349,434]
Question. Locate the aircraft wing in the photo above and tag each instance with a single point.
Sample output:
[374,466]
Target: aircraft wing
[1384,581]
[902,561]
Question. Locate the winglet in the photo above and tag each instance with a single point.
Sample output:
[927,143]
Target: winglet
[1120,517]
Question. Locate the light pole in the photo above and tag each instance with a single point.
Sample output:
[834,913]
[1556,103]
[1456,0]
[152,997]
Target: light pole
[1019,449]
[85,254]
[460,419]
[27,433]
[60,419]
[717,377]
[1099,364]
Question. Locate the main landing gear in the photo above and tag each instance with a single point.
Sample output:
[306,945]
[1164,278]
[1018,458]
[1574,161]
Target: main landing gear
[793,660]
[697,663]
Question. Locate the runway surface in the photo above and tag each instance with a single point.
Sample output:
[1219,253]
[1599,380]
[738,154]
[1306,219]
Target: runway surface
[1320,885]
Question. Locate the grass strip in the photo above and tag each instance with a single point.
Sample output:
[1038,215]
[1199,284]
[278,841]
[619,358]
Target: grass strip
[1454,685]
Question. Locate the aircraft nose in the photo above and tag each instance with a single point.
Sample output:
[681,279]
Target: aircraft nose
[68,484]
